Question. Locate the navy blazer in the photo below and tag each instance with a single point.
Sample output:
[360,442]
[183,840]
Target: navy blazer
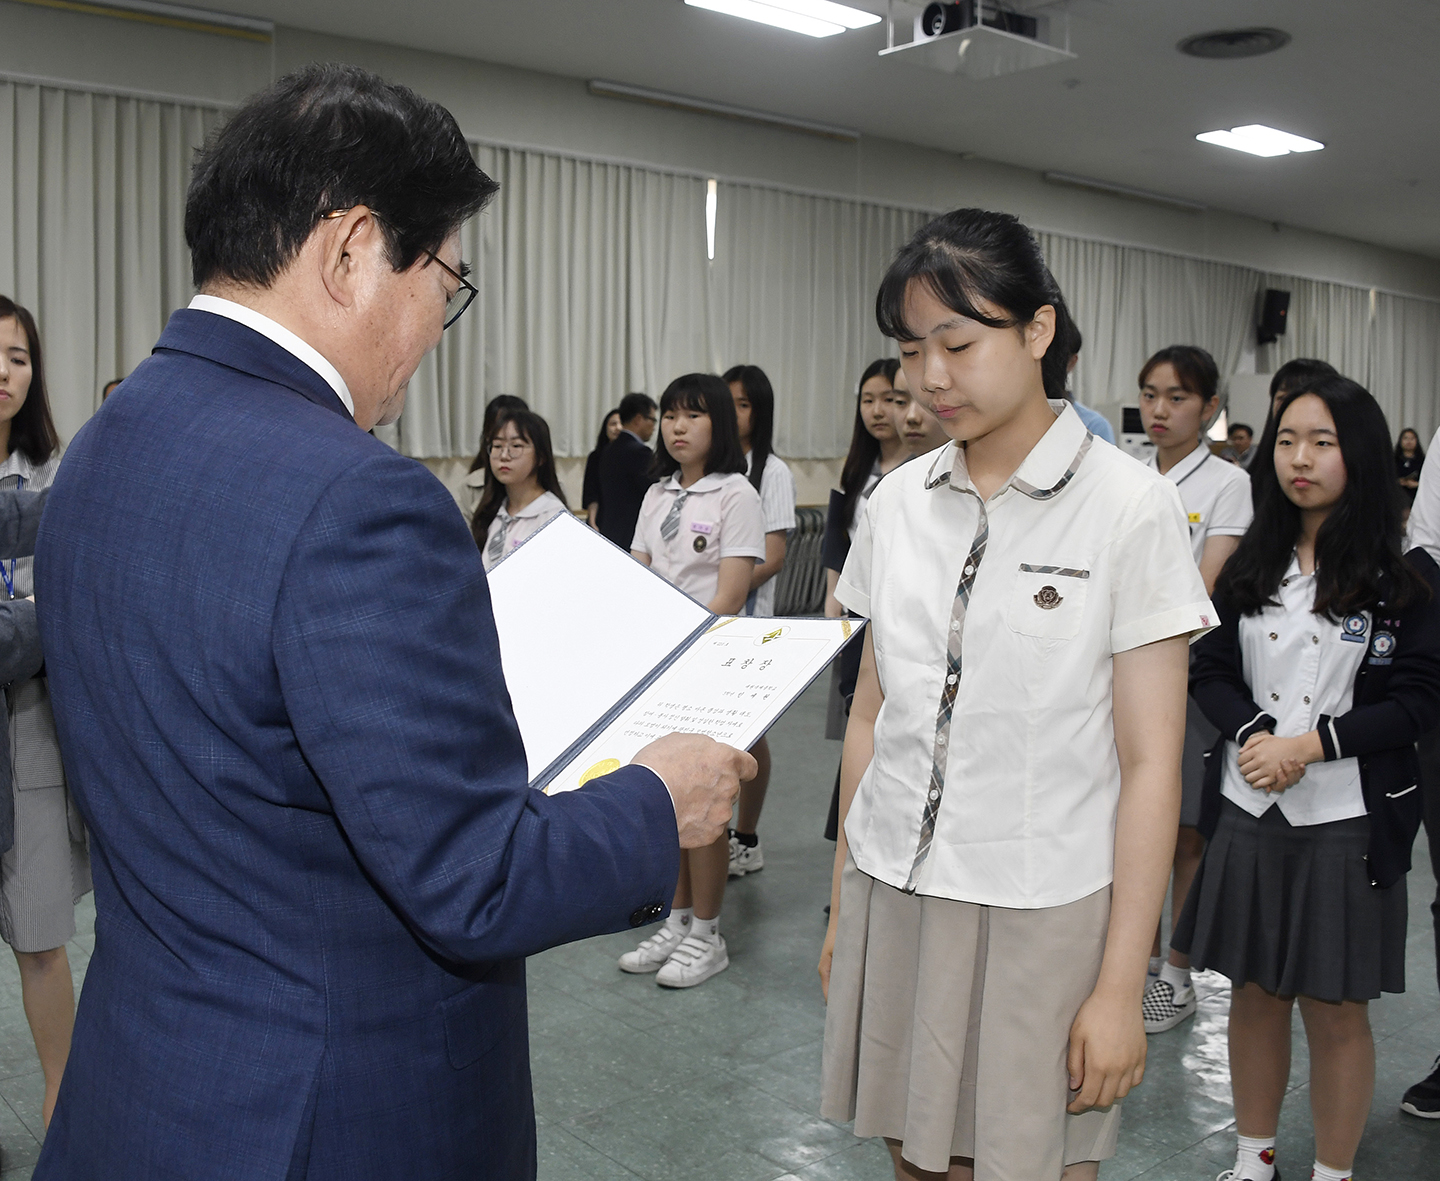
[317,864]
[1396,699]
[625,477]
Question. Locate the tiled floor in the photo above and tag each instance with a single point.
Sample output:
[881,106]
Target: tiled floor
[722,1082]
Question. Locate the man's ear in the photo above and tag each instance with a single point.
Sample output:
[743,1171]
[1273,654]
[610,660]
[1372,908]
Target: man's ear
[349,247]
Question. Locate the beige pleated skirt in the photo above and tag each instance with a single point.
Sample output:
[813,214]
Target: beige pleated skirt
[948,1025]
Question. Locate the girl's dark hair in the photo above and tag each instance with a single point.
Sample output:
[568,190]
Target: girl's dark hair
[761,395]
[603,439]
[864,447]
[1358,562]
[32,430]
[704,393]
[535,431]
[498,405]
[972,255]
[1195,368]
[1419,450]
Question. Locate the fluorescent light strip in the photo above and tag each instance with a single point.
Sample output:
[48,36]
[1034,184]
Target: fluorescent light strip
[814,18]
[1104,186]
[172,15]
[1259,140]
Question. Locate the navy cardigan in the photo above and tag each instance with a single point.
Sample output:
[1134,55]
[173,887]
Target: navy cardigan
[1396,699]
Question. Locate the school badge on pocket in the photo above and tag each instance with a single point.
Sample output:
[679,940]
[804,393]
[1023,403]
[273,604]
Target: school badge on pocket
[1047,598]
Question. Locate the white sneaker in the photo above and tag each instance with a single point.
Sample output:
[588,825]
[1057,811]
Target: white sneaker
[694,962]
[1164,1008]
[1232,1175]
[653,952]
[745,858]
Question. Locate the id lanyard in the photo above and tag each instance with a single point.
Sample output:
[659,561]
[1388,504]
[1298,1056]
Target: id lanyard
[9,575]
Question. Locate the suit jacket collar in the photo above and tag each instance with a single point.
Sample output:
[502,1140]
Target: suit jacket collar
[230,343]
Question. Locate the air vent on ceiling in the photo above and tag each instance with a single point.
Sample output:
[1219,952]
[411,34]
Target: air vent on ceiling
[1229,43]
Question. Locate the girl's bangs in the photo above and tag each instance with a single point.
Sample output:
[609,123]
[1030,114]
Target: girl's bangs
[684,399]
[946,280]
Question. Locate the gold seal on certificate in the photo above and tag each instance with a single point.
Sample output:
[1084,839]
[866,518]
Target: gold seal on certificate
[603,767]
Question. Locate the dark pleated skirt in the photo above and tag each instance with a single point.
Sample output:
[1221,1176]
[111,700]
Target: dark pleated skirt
[1292,909]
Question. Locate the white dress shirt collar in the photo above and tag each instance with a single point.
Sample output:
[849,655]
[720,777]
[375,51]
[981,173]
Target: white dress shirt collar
[1050,464]
[282,336]
[1185,467]
[706,483]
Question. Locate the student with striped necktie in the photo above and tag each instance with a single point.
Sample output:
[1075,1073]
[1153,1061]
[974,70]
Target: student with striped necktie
[700,527]
[521,491]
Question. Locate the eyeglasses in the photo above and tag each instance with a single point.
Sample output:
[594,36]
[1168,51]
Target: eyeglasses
[503,447]
[465,292]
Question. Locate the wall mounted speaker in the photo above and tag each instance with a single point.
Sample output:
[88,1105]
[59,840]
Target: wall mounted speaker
[1274,308]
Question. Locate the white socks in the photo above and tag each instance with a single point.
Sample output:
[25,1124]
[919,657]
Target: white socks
[1176,978]
[706,928]
[1325,1173]
[1254,1155]
[1156,963]
[681,919]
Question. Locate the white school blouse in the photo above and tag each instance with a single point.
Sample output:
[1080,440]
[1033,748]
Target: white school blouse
[720,518]
[995,778]
[777,511]
[1216,496]
[509,529]
[1300,665]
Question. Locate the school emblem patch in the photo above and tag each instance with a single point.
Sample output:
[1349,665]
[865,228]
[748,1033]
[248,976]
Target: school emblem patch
[699,544]
[1353,628]
[1383,644]
[1047,598]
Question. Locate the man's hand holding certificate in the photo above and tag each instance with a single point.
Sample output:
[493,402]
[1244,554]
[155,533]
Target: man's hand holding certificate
[597,680]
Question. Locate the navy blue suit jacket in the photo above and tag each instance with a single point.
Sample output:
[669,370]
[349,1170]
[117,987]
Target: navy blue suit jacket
[317,863]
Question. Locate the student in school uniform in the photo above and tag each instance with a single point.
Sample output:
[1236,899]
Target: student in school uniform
[1324,672]
[701,527]
[769,475]
[590,487]
[521,490]
[1179,398]
[921,430]
[1010,783]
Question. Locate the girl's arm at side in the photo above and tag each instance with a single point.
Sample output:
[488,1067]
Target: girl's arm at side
[1213,557]
[733,587]
[859,749]
[833,610]
[640,556]
[1217,682]
[775,544]
[1107,1040]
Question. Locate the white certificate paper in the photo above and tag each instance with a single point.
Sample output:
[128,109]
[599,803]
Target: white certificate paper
[602,656]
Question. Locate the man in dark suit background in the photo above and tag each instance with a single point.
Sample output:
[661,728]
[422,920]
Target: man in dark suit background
[625,473]
[278,689]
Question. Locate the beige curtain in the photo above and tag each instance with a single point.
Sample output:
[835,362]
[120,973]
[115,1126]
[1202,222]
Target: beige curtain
[92,229]
[594,281]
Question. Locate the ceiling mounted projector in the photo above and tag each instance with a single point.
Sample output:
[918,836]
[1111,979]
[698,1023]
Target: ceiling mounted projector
[976,38]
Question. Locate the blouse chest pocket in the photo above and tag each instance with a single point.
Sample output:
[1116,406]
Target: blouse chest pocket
[1047,601]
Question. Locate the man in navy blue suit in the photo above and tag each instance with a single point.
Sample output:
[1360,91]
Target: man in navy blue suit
[318,867]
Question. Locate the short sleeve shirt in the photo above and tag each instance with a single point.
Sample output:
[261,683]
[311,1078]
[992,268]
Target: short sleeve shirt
[995,778]
[1301,666]
[777,509]
[719,518]
[508,530]
[1216,496]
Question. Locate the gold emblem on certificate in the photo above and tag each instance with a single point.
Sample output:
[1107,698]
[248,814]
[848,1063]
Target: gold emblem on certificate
[603,767]
[1047,598]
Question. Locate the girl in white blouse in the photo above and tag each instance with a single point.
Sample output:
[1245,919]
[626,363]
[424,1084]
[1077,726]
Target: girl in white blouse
[1323,674]
[700,526]
[770,476]
[1010,781]
[521,490]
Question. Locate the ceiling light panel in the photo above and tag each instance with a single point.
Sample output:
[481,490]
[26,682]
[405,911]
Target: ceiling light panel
[1259,140]
[814,18]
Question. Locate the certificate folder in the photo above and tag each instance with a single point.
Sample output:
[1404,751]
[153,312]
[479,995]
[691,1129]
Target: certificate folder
[602,655]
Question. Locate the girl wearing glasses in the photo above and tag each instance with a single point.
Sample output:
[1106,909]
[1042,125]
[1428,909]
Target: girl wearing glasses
[521,491]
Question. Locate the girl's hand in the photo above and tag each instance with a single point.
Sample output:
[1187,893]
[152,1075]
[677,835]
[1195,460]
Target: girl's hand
[1273,764]
[827,954]
[1107,1050]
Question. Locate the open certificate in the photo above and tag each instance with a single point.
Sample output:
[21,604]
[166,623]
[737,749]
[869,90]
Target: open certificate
[602,656]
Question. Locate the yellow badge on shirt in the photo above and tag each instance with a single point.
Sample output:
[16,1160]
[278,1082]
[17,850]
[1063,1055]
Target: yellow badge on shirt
[1194,518]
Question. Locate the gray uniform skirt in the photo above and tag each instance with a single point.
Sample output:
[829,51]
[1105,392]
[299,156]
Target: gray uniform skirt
[1292,909]
[948,1026]
[47,870]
